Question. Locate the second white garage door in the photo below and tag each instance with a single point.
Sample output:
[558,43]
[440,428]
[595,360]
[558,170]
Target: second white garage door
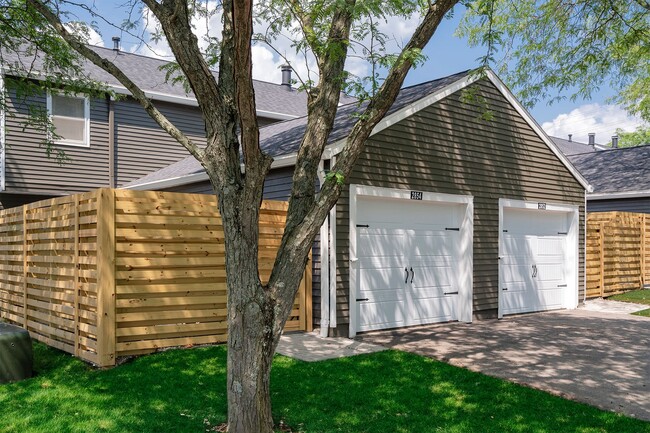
[409,260]
[538,260]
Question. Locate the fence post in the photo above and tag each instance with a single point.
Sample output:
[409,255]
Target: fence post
[75,286]
[644,234]
[106,277]
[25,315]
[602,259]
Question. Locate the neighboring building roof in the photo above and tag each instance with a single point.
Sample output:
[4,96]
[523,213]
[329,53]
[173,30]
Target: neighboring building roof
[281,140]
[147,74]
[573,147]
[617,172]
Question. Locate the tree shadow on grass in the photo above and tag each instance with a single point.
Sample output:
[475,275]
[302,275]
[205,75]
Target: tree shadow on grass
[399,392]
[185,391]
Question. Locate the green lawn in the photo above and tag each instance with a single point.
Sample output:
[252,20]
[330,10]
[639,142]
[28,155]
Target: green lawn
[638,297]
[184,391]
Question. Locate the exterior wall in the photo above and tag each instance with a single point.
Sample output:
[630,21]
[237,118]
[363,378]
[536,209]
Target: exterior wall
[141,146]
[277,186]
[447,148]
[639,205]
[28,168]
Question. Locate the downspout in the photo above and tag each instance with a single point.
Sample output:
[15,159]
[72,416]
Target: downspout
[332,259]
[584,253]
[111,142]
[3,102]
[324,265]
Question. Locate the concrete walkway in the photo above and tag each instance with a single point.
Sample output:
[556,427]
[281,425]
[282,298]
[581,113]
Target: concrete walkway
[309,346]
[599,358]
[615,307]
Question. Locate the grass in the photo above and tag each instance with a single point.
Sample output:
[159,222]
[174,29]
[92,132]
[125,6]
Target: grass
[636,296]
[184,391]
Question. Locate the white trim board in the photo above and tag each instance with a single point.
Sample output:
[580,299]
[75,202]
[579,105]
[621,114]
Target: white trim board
[466,246]
[573,241]
[618,195]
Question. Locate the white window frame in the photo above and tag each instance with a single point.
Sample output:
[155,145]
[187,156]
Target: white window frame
[64,142]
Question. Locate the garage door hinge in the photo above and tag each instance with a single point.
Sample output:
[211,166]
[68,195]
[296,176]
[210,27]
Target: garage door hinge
[505,288]
[450,293]
[363,225]
[562,285]
[362,299]
[562,233]
[505,231]
[455,229]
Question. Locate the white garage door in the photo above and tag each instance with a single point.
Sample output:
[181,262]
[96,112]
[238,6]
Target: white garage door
[534,264]
[407,262]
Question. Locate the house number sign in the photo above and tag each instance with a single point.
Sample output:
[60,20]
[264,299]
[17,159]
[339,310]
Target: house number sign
[416,195]
[541,206]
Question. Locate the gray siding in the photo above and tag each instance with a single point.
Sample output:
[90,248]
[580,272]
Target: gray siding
[28,169]
[447,148]
[277,186]
[141,146]
[639,205]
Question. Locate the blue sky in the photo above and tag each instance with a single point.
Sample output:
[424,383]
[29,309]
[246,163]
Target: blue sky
[446,54]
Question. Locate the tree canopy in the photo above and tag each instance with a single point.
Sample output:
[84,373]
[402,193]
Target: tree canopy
[554,49]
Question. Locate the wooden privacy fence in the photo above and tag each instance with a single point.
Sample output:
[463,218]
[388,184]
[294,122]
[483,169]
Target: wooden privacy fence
[112,273]
[618,252]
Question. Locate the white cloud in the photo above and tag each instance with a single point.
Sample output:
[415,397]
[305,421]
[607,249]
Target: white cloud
[266,61]
[603,120]
[88,34]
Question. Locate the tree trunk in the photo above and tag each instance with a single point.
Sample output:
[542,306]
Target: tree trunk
[250,355]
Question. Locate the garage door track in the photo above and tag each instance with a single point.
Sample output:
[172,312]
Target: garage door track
[598,358]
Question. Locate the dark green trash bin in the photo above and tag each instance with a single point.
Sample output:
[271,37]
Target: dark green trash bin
[16,356]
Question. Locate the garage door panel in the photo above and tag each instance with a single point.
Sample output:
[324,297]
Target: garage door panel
[381,315]
[434,310]
[384,243]
[381,279]
[519,246]
[516,273]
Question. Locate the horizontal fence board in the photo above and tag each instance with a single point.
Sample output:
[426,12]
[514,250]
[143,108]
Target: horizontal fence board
[616,252]
[167,274]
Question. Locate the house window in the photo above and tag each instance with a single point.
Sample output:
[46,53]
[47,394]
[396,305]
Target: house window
[70,117]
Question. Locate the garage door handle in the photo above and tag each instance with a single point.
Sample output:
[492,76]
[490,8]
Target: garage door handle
[407,275]
[412,273]
[534,271]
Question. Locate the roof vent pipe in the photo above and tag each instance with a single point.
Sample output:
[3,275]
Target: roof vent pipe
[286,76]
[592,138]
[116,43]
[570,135]
[614,141]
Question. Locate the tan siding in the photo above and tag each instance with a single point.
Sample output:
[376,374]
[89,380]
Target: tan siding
[142,147]
[29,169]
[447,148]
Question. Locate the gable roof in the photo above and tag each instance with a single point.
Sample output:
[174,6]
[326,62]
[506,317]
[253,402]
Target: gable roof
[281,140]
[273,100]
[616,173]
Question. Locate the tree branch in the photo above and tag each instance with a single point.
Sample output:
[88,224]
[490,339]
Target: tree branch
[110,67]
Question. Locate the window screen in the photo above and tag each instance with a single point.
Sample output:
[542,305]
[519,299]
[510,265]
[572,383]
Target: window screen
[69,119]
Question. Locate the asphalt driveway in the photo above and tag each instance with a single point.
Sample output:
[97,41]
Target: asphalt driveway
[598,358]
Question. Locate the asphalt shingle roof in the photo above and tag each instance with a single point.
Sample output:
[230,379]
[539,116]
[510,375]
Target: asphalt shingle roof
[616,170]
[284,138]
[146,73]
[573,147]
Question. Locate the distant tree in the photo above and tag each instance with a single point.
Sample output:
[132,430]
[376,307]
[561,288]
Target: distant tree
[640,137]
[329,31]
[562,48]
